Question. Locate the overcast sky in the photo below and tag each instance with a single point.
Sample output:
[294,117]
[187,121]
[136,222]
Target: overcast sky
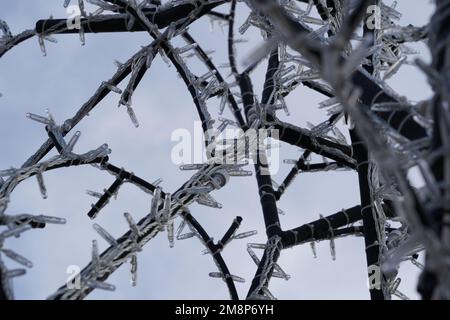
[66,78]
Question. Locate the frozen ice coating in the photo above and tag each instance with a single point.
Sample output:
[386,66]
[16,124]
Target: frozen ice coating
[335,84]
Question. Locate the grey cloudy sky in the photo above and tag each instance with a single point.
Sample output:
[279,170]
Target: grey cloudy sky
[64,79]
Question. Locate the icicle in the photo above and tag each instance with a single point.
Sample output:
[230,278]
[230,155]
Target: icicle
[216,275]
[17,257]
[280,273]
[170,235]
[194,166]
[112,87]
[101,285]
[237,279]
[417,264]
[4,28]
[199,189]
[390,12]
[313,248]
[320,33]
[222,66]
[210,88]
[337,109]
[42,45]
[339,135]
[16,231]
[332,249]
[207,200]
[209,52]
[240,173]
[105,235]
[81,7]
[223,101]
[97,12]
[257,245]
[94,193]
[71,144]
[8,172]
[49,116]
[394,285]
[328,103]
[180,31]
[283,72]
[149,58]
[186,48]
[222,126]
[49,219]
[211,24]
[240,40]
[164,57]
[253,255]
[166,208]
[389,106]
[101,151]
[206,76]
[186,236]
[42,188]
[332,244]
[284,106]
[155,202]
[244,27]
[290,161]
[82,36]
[400,295]
[38,118]
[133,263]
[133,117]
[207,250]
[95,256]
[288,78]
[157,182]
[118,64]
[133,226]
[245,234]
[222,276]
[294,9]
[130,22]
[394,68]
[14,273]
[51,39]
